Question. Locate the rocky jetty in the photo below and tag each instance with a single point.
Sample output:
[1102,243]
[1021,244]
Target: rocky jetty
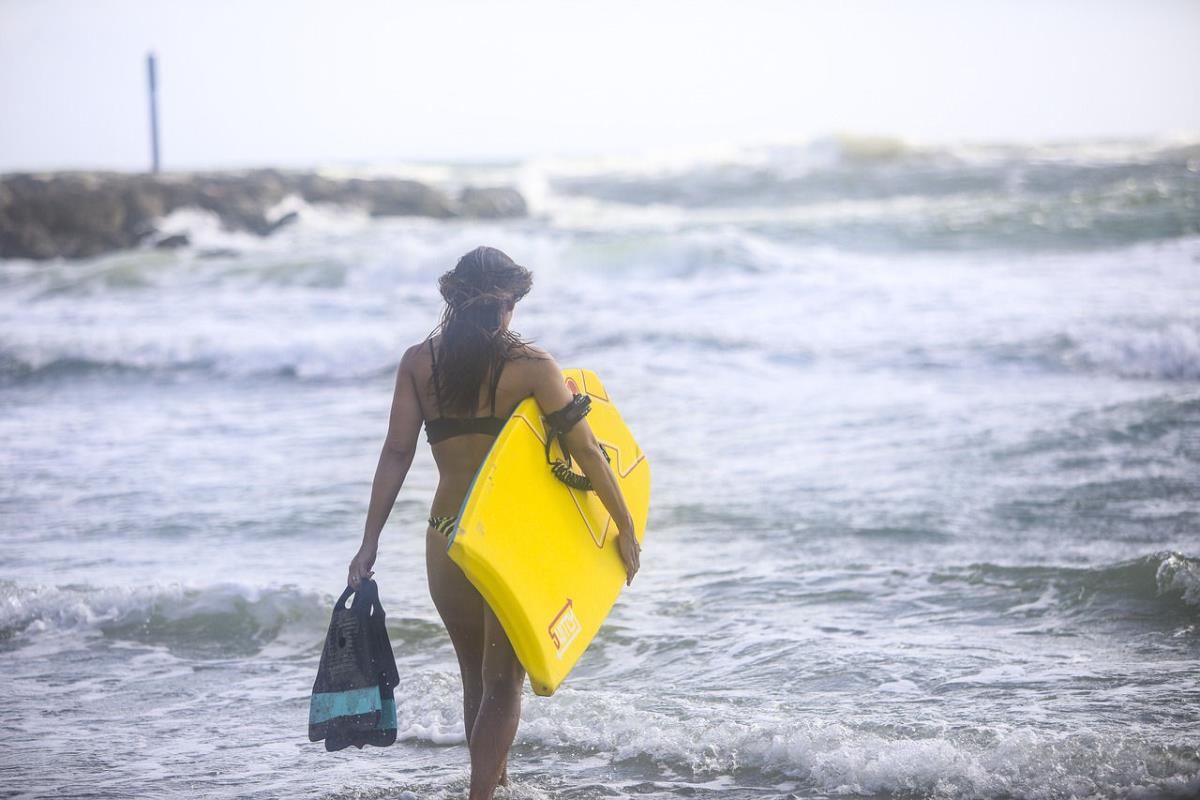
[82,214]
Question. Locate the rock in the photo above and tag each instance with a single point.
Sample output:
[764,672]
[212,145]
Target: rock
[289,218]
[491,203]
[173,242]
[83,214]
[71,214]
[379,197]
[218,252]
[399,198]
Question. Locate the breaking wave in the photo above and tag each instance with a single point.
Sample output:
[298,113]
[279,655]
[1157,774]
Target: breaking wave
[258,354]
[700,741]
[218,620]
[1162,587]
[878,191]
[1168,352]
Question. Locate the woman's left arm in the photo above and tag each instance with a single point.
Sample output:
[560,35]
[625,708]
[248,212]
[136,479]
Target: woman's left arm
[404,426]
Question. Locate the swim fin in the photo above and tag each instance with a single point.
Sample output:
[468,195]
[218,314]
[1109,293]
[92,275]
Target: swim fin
[352,701]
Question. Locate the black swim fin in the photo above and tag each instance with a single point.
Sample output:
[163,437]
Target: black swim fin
[353,701]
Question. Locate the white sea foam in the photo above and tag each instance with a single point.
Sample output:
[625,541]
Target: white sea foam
[168,608]
[852,759]
[1180,574]
[1170,351]
[204,229]
[236,351]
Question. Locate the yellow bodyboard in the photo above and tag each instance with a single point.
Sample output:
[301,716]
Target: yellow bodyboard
[543,555]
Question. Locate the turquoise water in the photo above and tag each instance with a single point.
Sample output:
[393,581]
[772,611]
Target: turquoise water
[925,427]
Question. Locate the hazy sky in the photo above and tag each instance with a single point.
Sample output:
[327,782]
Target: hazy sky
[290,82]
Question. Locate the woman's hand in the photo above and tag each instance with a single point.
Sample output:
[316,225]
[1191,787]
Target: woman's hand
[360,566]
[630,550]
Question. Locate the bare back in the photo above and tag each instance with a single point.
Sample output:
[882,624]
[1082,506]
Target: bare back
[529,372]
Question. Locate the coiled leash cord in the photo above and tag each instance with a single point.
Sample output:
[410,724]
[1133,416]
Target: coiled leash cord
[557,425]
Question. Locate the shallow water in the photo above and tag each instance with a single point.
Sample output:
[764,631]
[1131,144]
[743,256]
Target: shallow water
[925,432]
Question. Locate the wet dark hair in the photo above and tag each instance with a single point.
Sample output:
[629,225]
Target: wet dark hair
[481,287]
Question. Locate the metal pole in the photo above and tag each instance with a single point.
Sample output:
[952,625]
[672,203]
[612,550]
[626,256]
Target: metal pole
[151,73]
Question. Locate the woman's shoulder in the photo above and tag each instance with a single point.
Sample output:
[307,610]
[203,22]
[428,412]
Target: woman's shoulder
[529,352]
[534,364]
[415,354]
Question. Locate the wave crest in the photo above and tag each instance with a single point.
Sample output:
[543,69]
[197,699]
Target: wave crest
[856,759]
[1170,352]
[1162,587]
[1179,574]
[352,357]
[231,619]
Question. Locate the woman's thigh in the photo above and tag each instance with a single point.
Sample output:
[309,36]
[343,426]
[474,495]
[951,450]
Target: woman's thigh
[457,601]
[500,663]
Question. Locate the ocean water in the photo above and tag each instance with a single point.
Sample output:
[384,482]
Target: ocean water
[925,429]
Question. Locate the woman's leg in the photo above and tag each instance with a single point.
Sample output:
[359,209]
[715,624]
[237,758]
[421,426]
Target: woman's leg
[499,712]
[461,609]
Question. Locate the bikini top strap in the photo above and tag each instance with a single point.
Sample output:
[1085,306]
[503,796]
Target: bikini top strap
[496,382]
[437,388]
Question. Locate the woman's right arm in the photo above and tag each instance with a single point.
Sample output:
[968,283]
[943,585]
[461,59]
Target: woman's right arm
[404,428]
[551,393]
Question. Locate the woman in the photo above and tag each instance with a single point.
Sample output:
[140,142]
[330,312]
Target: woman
[454,382]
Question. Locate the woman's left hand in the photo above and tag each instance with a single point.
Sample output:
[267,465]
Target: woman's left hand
[360,566]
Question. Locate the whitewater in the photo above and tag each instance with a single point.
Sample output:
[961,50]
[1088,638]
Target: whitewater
[925,427]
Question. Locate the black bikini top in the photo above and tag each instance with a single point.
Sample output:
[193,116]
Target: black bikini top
[442,428]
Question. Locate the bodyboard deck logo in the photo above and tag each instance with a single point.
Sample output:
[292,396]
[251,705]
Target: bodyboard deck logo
[564,628]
